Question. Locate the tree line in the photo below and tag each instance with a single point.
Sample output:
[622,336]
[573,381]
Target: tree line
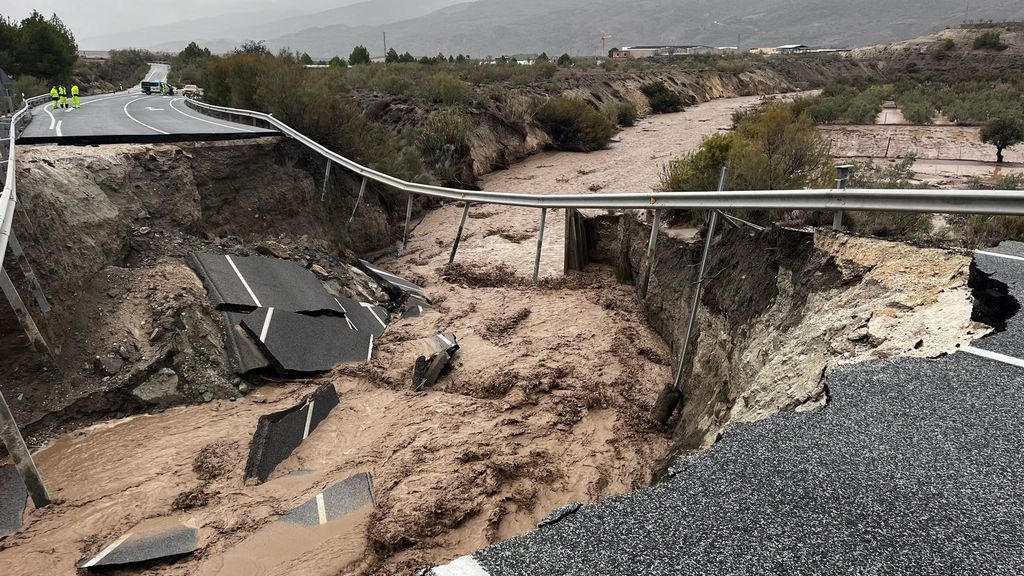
[37,48]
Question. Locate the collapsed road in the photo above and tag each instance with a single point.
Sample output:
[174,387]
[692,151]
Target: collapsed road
[540,408]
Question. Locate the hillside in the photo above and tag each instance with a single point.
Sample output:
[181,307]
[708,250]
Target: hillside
[493,27]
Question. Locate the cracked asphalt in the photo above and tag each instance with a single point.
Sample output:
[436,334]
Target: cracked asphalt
[914,467]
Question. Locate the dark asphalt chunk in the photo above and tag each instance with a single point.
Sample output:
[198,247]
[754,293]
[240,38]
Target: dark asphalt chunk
[250,282]
[343,498]
[395,285]
[12,500]
[246,356]
[364,317]
[914,467]
[429,366]
[280,433]
[295,343]
[999,284]
[152,540]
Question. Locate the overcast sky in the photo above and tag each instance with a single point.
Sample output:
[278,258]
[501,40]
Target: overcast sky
[101,17]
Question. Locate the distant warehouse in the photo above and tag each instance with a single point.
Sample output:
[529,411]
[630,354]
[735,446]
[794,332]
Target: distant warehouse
[642,52]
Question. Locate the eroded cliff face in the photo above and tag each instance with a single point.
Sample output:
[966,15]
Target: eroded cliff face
[784,307]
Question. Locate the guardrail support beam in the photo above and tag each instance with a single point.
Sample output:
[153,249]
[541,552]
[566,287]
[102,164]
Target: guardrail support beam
[327,177]
[652,245]
[458,234]
[35,337]
[408,219]
[22,458]
[29,273]
[540,244]
[359,200]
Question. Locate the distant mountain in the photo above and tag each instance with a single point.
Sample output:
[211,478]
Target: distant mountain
[225,32]
[496,27]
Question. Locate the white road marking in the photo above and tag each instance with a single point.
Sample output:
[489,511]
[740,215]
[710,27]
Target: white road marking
[994,356]
[347,319]
[464,566]
[997,255]
[309,419]
[59,123]
[447,342]
[374,312]
[244,283]
[53,121]
[175,108]
[369,351]
[266,328]
[321,508]
[133,119]
[151,109]
[97,558]
[94,100]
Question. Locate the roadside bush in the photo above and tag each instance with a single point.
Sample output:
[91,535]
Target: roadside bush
[445,89]
[29,86]
[516,111]
[662,98]
[444,145]
[944,48]
[990,41]
[901,225]
[574,124]
[699,170]
[620,113]
[777,149]
[985,231]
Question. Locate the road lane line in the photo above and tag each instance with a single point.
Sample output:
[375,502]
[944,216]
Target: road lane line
[106,551]
[133,119]
[266,325]
[118,95]
[998,255]
[53,121]
[175,108]
[447,342]
[374,312]
[309,419]
[321,508]
[994,356]
[369,351]
[464,566]
[244,283]
[59,134]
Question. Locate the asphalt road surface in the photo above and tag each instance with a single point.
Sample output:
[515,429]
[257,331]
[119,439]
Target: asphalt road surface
[131,116]
[913,467]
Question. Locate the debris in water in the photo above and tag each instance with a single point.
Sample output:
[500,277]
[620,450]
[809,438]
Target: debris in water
[157,539]
[278,434]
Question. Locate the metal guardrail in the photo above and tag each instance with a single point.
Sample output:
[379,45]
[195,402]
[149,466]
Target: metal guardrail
[9,197]
[1006,202]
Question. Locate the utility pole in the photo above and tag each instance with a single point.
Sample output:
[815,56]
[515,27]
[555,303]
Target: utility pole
[20,455]
[385,48]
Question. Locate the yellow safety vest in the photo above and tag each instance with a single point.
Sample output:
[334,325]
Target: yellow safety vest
[74,90]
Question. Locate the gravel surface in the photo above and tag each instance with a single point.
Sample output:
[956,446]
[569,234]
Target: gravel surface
[912,468]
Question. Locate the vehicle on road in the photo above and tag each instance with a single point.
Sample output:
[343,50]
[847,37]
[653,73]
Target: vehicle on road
[192,91]
[157,88]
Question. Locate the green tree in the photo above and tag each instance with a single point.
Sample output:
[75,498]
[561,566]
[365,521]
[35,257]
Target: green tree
[39,47]
[1002,133]
[254,47]
[392,57]
[990,41]
[565,60]
[778,149]
[542,58]
[360,56]
[662,98]
[338,62]
[406,58]
[305,59]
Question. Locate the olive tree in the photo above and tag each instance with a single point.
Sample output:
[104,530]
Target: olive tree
[1002,133]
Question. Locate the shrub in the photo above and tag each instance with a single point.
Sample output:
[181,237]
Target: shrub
[944,48]
[444,88]
[516,111]
[620,113]
[901,225]
[989,41]
[444,145]
[662,98]
[574,124]
[699,170]
[392,83]
[564,60]
[981,231]
[777,149]
[360,56]
[29,86]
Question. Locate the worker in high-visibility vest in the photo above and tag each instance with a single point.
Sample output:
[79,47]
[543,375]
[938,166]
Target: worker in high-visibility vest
[55,96]
[63,97]
[75,102]
[163,88]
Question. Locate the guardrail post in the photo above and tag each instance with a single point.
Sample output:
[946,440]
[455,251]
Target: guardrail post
[29,273]
[22,458]
[362,191]
[458,234]
[540,243]
[327,177]
[842,173]
[651,247]
[35,337]
[408,218]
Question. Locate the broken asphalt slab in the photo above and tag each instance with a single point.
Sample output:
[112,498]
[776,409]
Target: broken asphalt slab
[280,433]
[393,284]
[13,496]
[428,367]
[159,539]
[295,343]
[250,282]
[337,501]
[245,354]
[364,317]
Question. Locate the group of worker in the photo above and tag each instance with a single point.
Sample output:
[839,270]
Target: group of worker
[59,95]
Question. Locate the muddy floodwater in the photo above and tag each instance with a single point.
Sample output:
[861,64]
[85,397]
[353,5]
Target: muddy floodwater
[547,404]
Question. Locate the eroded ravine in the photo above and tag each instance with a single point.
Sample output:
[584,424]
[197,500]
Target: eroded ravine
[548,402]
